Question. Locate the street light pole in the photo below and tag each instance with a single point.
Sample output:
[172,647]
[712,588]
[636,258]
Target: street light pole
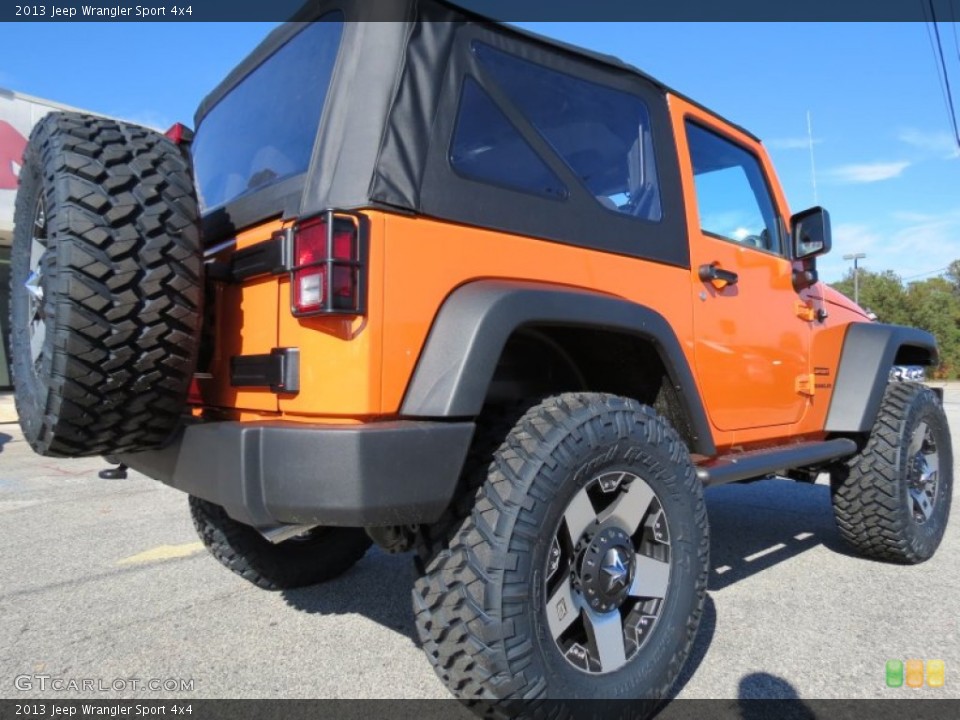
[856,274]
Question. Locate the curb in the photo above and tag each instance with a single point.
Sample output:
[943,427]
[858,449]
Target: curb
[8,411]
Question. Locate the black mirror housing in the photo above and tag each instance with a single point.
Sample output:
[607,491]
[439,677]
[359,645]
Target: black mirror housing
[810,233]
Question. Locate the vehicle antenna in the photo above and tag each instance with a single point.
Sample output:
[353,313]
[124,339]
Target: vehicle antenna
[813,166]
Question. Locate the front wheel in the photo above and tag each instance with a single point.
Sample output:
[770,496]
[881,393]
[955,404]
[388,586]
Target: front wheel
[891,501]
[582,570]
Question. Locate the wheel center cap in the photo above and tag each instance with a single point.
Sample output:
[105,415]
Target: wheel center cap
[606,569]
[33,286]
[616,569]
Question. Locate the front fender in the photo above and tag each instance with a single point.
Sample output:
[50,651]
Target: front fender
[869,351]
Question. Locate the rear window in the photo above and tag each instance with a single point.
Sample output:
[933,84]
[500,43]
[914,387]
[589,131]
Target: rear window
[262,131]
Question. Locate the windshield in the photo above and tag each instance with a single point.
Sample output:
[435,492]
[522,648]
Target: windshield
[263,130]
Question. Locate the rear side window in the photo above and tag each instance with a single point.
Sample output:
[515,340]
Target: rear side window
[601,133]
[263,130]
[487,147]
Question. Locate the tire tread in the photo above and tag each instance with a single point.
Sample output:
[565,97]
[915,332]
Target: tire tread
[866,490]
[123,223]
[469,591]
[245,552]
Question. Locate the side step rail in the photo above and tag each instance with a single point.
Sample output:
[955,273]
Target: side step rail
[757,463]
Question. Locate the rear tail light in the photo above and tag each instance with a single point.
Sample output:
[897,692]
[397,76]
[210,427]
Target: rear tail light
[194,397]
[180,134]
[327,275]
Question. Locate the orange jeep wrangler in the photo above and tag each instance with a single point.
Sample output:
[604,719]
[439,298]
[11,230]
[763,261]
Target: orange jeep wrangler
[445,286]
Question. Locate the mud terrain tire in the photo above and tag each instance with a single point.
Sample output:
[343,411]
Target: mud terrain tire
[106,287]
[319,555]
[485,606]
[891,500]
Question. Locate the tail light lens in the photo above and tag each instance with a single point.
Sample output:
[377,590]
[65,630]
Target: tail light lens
[179,134]
[194,397]
[327,274]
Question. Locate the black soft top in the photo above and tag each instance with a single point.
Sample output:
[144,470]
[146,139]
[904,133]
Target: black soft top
[385,128]
[403,13]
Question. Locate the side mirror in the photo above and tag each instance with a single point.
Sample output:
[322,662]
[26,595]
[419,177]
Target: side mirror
[811,233]
[810,238]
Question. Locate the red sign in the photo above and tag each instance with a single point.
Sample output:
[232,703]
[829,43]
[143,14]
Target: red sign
[12,145]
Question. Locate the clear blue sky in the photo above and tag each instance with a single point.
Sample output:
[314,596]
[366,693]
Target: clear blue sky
[886,167]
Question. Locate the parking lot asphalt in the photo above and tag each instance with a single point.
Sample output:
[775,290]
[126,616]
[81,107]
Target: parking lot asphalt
[105,579]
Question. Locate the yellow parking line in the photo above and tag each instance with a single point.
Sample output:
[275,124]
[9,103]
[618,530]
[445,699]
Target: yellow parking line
[163,552]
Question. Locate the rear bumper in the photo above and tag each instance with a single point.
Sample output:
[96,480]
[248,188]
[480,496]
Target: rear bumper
[266,474]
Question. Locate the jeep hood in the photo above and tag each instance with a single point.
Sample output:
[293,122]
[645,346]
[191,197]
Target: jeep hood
[834,297]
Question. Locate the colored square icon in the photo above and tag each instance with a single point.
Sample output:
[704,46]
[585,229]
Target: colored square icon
[936,670]
[914,673]
[894,673]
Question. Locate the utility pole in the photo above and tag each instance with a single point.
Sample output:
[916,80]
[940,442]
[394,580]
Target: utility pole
[856,274]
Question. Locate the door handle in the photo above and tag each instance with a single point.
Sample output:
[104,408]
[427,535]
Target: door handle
[718,277]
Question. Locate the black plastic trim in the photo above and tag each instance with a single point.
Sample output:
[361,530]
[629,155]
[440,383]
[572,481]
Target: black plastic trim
[280,199]
[263,258]
[279,371]
[869,351]
[473,325]
[266,474]
[748,465]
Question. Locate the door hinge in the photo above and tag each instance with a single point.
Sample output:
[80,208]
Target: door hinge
[805,384]
[279,371]
[805,311]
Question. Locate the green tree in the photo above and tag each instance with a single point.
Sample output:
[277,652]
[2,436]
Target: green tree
[881,293]
[953,275]
[934,305]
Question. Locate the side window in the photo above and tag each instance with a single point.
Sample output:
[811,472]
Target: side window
[732,196]
[602,134]
[487,147]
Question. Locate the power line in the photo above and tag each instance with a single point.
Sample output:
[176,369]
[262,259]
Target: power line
[929,272]
[933,49]
[946,77]
[953,24]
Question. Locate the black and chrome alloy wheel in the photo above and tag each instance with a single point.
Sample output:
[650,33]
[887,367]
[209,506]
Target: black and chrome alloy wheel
[34,287]
[581,570]
[923,472]
[608,572]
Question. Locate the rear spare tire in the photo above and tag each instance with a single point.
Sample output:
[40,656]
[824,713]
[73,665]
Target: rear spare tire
[106,287]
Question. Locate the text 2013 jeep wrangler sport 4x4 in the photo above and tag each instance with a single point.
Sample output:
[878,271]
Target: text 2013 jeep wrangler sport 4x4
[446,286]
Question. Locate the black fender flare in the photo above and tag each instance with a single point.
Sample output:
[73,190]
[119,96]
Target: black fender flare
[470,331]
[869,351]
